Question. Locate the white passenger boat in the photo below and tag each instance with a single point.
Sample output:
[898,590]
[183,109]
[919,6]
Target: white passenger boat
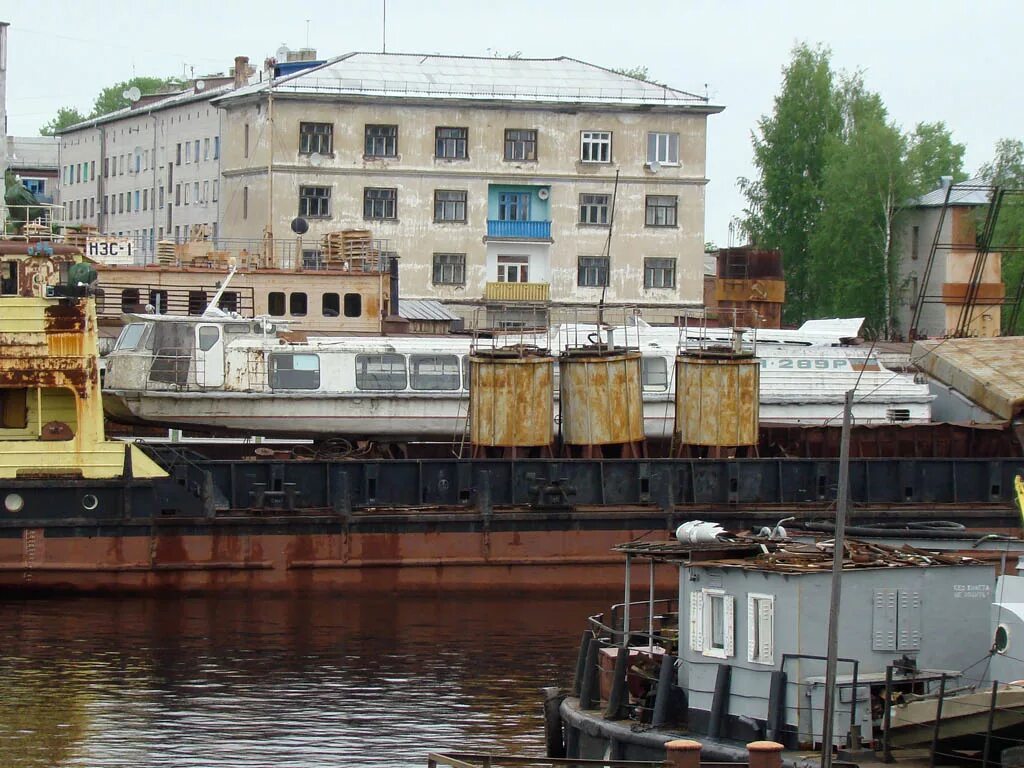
[253,376]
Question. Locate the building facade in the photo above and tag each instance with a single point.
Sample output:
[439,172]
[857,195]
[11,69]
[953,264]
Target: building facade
[148,172]
[937,247]
[33,160]
[495,180]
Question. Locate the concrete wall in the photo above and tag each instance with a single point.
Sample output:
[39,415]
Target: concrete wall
[416,174]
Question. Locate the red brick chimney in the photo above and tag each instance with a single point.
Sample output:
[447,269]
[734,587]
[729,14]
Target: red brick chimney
[241,71]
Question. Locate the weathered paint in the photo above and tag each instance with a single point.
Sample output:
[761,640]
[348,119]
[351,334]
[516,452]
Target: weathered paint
[988,371]
[601,398]
[511,400]
[716,400]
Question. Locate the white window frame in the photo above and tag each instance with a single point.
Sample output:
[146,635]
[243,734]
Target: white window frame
[761,628]
[701,617]
[513,269]
[595,146]
[663,148]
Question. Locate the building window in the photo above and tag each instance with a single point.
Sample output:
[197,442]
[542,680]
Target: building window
[440,372]
[514,206]
[380,372]
[661,210]
[381,141]
[654,374]
[760,628]
[315,202]
[206,149]
[297,304]
[216,189]
[353,304]
[245,202]
[330,305]
[659,273]
[158,300]
[513,269]
[245,141]
[594,209]
[294,371]
[145,199]
[188,152]
[316,137]
[596,146]
[711,623]
[275,303]
[915,242]
[130,300]
[592,271]
[450,205]
[216,147]
[196,152]
[188,194]
[195,192]
[663,148]
[451,143]
[196,302]
[160,195]
[520,144]
[449,269]
[380,203]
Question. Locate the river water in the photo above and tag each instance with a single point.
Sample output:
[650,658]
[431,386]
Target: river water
[279,681]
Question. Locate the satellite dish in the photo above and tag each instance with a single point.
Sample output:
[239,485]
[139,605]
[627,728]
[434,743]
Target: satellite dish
[316,159]
[133,94]
[200,85]
[300,226]
[543,193]
[654,166]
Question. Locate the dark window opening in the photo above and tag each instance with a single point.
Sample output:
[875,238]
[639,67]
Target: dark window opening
[330,305]
[130,300]
[297,304]
[14,408]
[353,305]
[196,302]
[275,304]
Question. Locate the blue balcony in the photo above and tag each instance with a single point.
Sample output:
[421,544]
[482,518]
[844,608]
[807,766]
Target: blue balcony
[518,230]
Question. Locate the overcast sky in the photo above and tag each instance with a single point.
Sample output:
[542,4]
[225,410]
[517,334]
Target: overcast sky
[930,60]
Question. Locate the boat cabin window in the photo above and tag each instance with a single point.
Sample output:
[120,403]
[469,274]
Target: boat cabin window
[229,301]
[353,305]
[380,372]
[130,300]
[465,372]
[297,303]
[295,371]
[14,408]
[760,628]
[208,336]
[236,329]
[8,278]
[158,300]
[655,373]
[275,303]
[330,305]
[196,302]
[131,336]
[434,372]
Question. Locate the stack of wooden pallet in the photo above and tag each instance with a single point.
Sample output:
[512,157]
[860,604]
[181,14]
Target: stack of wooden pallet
[348,249]
[165,253]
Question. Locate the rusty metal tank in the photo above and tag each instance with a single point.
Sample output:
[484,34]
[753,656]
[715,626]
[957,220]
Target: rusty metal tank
[511,399]
[601,398]
[717,399]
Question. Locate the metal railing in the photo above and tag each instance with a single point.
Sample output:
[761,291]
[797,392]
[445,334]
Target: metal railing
[520,230]
[39,221]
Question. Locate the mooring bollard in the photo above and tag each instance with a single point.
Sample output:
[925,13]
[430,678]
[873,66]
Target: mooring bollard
[683,753]
[663,691]
[615,695]
[764,754]
[589,676]
[581,662]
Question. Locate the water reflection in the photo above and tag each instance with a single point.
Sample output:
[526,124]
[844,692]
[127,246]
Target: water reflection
[278,681]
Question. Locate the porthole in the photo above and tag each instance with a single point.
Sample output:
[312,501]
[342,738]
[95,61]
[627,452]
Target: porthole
[1002,639]
[14,503]
[90,502]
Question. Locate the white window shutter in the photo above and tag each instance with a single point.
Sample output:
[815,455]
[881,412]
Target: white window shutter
[766,630]
[729,606]
[696,622]
[752,627]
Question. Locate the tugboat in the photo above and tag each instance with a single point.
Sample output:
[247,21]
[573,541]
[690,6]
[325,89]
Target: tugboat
[735,656]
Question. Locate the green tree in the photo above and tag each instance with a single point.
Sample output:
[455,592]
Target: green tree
[784,202]
[864,181]
[66,116]
[1006,170]
[112,98]
[932,154]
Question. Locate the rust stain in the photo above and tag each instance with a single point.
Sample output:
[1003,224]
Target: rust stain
[67,318]
[601,402]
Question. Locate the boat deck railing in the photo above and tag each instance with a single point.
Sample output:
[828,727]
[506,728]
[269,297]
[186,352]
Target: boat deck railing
[486,760]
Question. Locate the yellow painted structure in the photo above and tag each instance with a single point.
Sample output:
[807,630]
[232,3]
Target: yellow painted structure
[51,413]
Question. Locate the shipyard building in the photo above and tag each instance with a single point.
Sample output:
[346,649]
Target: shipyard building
[493,180]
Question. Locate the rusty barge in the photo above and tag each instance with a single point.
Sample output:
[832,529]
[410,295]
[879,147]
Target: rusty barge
[80,512]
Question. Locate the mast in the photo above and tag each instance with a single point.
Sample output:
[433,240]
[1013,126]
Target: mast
[268,231]
[842,502]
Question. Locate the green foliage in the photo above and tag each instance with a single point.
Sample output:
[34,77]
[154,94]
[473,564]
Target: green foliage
[932,154]
[109,100]
[66,116]
[637,73]
[1006,170]
[784,204]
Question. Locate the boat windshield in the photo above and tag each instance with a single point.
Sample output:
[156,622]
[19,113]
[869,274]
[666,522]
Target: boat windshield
[131,336]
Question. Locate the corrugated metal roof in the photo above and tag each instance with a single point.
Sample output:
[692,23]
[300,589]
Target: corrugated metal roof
[424,309]
[976,191]
[407,75]
[988,371]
